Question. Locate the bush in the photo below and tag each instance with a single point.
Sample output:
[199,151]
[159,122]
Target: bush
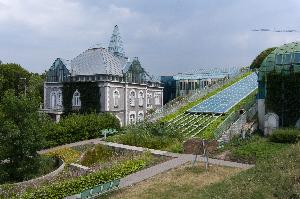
[75,128]
[150,135]
[285,136]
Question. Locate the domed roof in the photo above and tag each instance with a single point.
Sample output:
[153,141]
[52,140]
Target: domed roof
[97,61]
[283,58]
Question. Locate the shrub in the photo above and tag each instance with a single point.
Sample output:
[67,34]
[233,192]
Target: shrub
[150,135]
[285,136]
[76,127]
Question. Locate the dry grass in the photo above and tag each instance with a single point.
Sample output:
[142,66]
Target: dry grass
[177,183]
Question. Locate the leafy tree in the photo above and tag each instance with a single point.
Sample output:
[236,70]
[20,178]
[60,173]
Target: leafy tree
[260,58]
[21,135]
[13,77]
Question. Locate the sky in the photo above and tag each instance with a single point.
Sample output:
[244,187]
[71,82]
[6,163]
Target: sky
[168,36]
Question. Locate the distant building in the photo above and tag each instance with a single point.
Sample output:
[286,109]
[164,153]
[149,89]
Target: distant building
[123,87]
[184,84]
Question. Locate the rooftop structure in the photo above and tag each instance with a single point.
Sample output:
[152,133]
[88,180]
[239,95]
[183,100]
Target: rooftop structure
[279,87]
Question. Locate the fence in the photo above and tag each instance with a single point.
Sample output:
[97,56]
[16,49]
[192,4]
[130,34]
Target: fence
[177,103]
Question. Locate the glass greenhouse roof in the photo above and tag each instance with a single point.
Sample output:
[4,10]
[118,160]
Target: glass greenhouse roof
[229,97]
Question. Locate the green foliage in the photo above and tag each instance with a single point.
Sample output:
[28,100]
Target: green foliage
[77,185]
[89,96]
[10,75]
[194,103]
[150,135]
[256,63]
[68,155]
[76,127]
[252,149]
[274,177]
[21,135]
[100,153]
[283,93]
[285,136]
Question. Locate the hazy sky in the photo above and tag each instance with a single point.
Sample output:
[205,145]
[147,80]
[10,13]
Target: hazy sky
[168,36]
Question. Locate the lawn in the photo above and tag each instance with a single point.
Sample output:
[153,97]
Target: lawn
[276,175]
[176,183]
[273,177]
[249,150]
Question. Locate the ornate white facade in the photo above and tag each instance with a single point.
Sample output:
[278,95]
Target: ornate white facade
[125,88]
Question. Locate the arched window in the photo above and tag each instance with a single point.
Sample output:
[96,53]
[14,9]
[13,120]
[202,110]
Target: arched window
[132,98]
[140,116]
[59,98]
[53,99]
[141,98]
[149,96]
[132,118]
[116,96]
[76,99]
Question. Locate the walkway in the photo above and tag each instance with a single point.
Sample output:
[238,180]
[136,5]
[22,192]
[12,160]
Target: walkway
[154,170]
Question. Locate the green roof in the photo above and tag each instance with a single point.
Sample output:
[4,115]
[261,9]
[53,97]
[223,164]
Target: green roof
[283,59]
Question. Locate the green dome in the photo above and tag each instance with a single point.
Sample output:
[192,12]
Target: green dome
[283,59]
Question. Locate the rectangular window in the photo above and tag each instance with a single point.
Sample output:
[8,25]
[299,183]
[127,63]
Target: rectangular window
[287,58]
[297,58]
[278,59]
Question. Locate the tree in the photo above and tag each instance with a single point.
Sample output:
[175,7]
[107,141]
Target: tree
[21,135]
[13,76]
[260,58]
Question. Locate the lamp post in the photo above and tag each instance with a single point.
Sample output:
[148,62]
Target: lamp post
[25,86]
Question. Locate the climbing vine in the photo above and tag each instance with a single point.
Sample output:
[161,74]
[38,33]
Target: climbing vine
[283,96]
[89,96]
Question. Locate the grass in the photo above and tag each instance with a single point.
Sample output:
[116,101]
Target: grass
[191,104]
[276,177]
[252,149]
[150,135]
[99,153]
[177,183]
[68,155]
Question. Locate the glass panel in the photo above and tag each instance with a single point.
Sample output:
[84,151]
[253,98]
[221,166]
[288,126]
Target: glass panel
[297,57]
[278,59]
[287,58]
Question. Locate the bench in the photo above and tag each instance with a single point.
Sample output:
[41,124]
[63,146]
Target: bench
[99,189]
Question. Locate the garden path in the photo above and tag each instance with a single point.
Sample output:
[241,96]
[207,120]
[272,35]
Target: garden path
[178,159]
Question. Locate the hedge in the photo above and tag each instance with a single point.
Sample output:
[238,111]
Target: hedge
[285,136]
[77,185]
[77,127]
